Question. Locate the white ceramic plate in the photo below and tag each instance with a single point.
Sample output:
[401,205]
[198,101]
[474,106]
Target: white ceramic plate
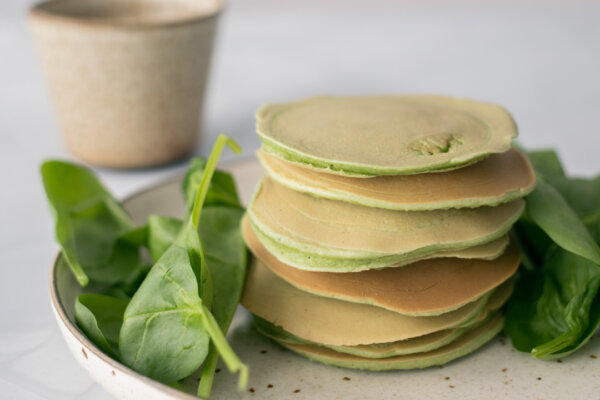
[495,371]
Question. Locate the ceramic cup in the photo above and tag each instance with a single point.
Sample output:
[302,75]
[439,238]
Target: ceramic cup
[127,77]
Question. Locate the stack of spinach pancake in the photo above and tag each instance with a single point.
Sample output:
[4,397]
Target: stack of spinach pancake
[381,229]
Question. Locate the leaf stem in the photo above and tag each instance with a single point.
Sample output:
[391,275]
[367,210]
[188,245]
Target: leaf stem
[229,357]
[208,372]
[547,349]
[77,270]
[209,171]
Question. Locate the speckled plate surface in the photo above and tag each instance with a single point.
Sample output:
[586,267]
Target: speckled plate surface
[496,371]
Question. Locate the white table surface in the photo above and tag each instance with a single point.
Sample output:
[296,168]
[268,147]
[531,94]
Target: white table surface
[540,59]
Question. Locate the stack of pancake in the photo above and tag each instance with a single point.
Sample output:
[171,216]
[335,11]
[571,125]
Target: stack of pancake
[381,231]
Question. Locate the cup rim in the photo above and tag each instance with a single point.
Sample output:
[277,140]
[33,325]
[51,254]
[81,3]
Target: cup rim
[37,12]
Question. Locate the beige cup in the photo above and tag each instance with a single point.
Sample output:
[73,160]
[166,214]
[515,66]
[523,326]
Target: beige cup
[127,77]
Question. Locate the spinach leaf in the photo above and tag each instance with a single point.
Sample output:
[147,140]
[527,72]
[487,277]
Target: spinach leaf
[547,163]
[225,253]
[594,323]
[534,242]
[221,190]
[89,224]
[583,195]
[226,258]
[163,334]
[117,292]
[168,323]
[549,210]
[133,282]
[549,312]
[162,232]
[100,317]
[555,307]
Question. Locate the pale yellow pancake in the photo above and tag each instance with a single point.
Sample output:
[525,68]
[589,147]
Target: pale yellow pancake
[347,231]
[336,322]
[464,345]
[384,135]
[313,262]
[419,344]
[429,287]
[497,179]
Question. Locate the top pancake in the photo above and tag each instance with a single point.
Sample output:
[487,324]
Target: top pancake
[494,180]
[384,135]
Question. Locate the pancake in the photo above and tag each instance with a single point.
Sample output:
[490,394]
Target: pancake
[429,287]
[420,344]
[345,232]
[492,181]
[312,262]
[336,322]
[384,135]
[467,343]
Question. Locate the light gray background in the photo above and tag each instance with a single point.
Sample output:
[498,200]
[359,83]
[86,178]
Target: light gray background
[540,59]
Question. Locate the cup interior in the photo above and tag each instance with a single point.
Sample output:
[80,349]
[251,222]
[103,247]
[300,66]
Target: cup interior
[129,11]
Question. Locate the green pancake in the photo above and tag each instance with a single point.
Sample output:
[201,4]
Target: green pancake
[427,287]
[420,344]
[334,322]
[416,345]
[328,235]
[465,344]
[384,135]
[497,179]
[312,262]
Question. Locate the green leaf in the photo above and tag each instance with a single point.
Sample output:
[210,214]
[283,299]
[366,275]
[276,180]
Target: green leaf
[547,163]
[533,241]
[555,308]
[163,336]
[220,344]
[162,232]
[189,238]
[167,325]
[117,292]
[209,171]
[137,236]
[549,311]
[583,195]
[594,323]
[226,258]
[133,282]
[549,210]
[100,317]
[222,190]
[89,224]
